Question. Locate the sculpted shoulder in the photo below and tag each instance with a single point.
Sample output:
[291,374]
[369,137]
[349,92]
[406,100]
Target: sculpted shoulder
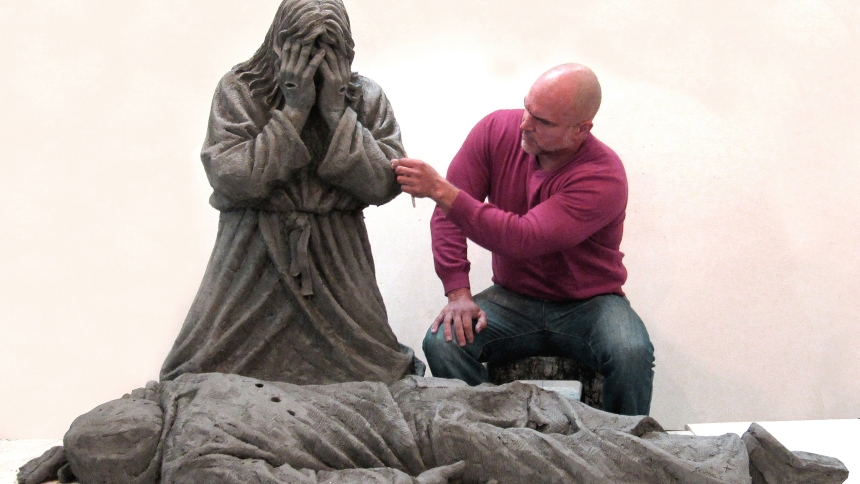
[369,89]
[368,97]
[231,85]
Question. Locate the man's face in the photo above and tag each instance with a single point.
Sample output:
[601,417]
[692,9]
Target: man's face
[548,126]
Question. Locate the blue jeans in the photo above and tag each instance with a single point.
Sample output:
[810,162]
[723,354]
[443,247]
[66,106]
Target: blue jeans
[602,332]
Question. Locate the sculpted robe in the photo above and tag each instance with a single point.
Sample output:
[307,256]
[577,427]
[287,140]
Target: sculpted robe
[290,292]
[237,430]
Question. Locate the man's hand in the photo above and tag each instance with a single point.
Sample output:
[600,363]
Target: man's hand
[336,72]
[296,80]
[419,179]
[457,316]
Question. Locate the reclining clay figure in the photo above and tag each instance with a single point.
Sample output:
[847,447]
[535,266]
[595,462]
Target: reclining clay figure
[218,428]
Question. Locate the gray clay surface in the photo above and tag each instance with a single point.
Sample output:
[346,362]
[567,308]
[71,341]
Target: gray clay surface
[234,429]
[290,292]
[772,462]
[551,368]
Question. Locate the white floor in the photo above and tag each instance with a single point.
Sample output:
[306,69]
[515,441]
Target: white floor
[836,438]
[15,453]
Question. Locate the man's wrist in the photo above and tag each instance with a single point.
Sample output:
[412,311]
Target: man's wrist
[444,194]
[460,294]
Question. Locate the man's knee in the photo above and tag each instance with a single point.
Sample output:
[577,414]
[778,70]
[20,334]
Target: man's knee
[633,357]
[439,351]
[625,340]
[447,359]
[637,353]
[433,343]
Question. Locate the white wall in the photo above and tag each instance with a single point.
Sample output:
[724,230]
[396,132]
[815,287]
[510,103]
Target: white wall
[739,124]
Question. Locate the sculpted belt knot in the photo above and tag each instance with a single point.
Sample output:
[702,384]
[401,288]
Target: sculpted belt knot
[300,266]
[294,228]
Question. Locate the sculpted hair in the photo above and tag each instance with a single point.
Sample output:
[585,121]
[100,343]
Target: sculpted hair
[301,20]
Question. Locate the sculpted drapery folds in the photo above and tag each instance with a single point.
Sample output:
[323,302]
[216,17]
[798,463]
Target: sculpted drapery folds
[297,146]
[239,430]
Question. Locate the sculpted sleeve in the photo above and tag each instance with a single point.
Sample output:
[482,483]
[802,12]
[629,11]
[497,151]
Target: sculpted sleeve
[248,146]
[362,147]
[234,430]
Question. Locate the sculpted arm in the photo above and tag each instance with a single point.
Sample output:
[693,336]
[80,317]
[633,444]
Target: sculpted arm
[360,153]
[233,470]
[437,475]
[250,146]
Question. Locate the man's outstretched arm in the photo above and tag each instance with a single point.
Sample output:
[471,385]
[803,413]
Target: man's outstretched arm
[562,221]
[457,316]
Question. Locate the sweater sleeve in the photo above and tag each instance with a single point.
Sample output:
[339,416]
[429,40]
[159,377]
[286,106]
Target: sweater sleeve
[585,203]
[470,172]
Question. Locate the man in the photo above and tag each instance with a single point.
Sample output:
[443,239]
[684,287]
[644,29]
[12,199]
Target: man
[557,199]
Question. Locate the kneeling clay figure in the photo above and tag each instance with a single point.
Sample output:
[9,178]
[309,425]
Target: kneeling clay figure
[297,146]
[234,429]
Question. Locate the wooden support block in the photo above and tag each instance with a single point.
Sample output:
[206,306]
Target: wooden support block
[551,368]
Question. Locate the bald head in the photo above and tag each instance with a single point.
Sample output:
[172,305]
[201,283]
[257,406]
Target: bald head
[574,87]
[558,111]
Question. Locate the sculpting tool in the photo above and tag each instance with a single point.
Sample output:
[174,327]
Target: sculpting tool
[413,196]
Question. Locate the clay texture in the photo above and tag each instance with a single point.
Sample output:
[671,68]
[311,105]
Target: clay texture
[770,462]
[290,292]
[234,429]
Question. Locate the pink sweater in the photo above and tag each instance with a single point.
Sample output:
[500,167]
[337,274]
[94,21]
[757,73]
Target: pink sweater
[553,235]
